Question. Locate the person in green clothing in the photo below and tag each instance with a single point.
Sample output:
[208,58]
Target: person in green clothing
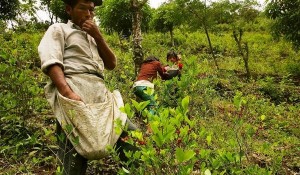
[150,67]
[74,56]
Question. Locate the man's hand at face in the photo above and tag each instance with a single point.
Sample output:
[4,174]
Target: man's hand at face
[108,57]
[91,28]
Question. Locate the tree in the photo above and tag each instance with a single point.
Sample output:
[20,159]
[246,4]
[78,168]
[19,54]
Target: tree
[199,14]
[226,12]
[57,8]
[116,16]
[8,9]
[27,13]
[286,17]
[243,50]
[46,5]
[248,12]
[167,17]
[223,12]
[138,57]
[19,14]
[126,17]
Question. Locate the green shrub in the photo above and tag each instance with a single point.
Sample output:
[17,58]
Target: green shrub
[21,102]
[293,68]
[215,122]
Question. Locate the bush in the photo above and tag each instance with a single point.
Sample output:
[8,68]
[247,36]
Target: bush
[293,68]
[20,104]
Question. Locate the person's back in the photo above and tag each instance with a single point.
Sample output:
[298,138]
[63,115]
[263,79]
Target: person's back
[149,71]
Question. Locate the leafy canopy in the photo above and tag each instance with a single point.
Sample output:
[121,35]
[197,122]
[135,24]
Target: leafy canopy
[286,15]
[167,16]
[57,7]
[116,16]
[8,9]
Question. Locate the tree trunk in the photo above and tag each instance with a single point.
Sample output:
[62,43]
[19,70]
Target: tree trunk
[246,61]
[203,19]
[138,55]
[172,37]
[208,38]
[244,52]
[210,46]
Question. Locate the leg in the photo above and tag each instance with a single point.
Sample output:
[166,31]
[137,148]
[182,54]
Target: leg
[130,125]
[70,161]
[139,91]
[122,146]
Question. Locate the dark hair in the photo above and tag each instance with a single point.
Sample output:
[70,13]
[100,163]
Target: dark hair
[150,59]
[172,54]
[72,3]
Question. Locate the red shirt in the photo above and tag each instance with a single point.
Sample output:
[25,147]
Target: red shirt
[149,71]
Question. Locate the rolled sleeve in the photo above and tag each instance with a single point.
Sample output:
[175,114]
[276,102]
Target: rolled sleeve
[51,47]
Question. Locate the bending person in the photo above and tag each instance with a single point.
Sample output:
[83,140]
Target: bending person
[148,72]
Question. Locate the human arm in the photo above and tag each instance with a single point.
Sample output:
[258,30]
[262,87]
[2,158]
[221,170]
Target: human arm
[163,74]
[108,57]
[51,50]
[168,73]
[57,76]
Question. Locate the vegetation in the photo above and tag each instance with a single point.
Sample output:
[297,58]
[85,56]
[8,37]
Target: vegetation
[8,9]
[211,121]
[116,16]
[285,19]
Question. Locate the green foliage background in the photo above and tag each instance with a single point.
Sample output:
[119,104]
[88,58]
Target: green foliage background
[217,122]
[8,9]
[235,126]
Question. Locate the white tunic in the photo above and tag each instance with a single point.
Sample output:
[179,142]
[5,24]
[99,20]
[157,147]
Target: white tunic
[94,119]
